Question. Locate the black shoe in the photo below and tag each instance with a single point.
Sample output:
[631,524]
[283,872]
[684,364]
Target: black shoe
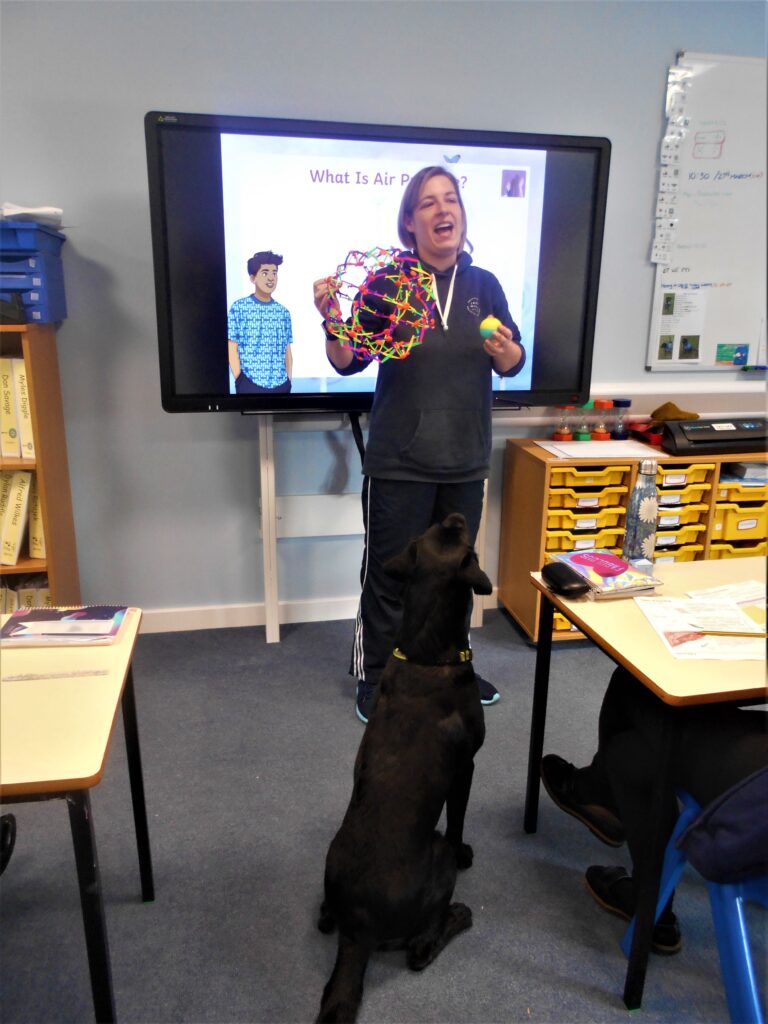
[7,839]
[366,695]
[559,778]
[612,888]
[488,692]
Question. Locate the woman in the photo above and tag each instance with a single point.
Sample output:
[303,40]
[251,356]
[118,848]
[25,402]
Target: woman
[429,441]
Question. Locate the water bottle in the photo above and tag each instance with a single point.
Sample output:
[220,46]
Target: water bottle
[642,512]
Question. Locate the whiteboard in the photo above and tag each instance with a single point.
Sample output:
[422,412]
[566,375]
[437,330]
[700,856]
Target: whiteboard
[709,296]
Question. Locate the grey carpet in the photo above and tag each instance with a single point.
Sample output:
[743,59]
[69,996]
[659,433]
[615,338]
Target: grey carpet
[248,751]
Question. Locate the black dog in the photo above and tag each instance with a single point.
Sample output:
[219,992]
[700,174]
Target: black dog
[389,876]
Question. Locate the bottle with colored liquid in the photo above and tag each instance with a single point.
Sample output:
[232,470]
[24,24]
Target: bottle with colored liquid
[601,430]
[642,512]
[620,431]
[583,429]
[562,431]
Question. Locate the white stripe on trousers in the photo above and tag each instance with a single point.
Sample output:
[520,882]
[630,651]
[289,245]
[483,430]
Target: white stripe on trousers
[358,667]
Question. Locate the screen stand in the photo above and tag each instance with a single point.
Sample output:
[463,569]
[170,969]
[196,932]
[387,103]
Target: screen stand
[269,529]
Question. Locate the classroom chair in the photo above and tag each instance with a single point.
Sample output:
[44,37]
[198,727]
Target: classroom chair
[695,839]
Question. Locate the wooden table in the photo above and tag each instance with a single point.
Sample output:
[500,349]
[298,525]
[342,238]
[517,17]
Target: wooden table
[623,632]
[58,708]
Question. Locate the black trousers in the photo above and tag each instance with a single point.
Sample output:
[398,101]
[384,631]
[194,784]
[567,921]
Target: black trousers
[717,746]
[394,513]
[245,386]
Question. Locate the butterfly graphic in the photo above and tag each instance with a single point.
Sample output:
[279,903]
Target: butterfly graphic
[452,159]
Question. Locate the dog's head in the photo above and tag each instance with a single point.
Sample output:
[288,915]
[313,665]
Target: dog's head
[439,572]
[444,553]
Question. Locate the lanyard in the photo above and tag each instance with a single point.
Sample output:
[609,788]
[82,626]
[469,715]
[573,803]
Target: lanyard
[448,301]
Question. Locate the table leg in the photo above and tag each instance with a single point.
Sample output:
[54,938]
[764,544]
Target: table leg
[538,713]
[647,882]
[92,905]
[133,751]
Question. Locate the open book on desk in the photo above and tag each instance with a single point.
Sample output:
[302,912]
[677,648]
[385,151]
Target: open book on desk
[63,627]
[608,575]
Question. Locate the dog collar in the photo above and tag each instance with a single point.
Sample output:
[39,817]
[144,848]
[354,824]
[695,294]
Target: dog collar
[462,656]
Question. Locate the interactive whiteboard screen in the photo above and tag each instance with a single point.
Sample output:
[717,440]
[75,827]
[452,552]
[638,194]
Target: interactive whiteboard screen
[222,189]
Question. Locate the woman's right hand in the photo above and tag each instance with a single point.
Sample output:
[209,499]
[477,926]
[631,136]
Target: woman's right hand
[322,295]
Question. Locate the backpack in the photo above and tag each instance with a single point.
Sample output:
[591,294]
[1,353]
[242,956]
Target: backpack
[728,841]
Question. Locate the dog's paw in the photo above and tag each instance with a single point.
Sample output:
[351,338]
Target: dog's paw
[420,953]
[464,856]
[459,917]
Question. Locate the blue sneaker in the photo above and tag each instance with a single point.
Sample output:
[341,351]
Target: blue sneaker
[488,692]
[366,695]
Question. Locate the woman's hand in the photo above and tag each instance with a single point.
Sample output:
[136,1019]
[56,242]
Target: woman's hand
[503,349]
[322,295]
[340,356]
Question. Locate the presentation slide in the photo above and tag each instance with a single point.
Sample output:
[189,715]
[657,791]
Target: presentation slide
[313,201]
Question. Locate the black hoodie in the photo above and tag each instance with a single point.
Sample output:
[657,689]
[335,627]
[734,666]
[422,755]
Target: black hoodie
[431,415]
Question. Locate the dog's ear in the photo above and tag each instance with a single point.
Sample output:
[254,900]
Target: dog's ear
[402,565]
[473,575]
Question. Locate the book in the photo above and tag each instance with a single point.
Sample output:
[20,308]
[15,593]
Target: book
[608,575]
[15,517]
[747,471]
[10,448]
[36,534]
[6,478]
[23,412]
[27,595]
[63,627]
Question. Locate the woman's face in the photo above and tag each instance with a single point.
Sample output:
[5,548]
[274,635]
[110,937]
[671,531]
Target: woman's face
[437,222]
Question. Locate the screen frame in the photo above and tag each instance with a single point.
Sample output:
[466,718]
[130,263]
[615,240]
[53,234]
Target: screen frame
[158,123]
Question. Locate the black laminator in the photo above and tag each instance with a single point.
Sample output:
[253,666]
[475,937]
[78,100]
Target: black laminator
[715,437]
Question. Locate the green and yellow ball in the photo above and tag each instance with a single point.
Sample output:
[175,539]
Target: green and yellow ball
[489,326]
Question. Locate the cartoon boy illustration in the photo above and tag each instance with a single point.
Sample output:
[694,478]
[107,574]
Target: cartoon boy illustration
[259,333]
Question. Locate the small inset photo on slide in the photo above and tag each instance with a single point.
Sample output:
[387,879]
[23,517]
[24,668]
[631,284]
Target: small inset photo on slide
[666,346]
[689,346]
[513,184]
[668,304]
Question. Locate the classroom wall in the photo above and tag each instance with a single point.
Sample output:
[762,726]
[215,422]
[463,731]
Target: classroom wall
[167,506]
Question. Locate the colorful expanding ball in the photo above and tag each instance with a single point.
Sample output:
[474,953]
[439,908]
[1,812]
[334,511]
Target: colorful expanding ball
[489,325]
[386,291]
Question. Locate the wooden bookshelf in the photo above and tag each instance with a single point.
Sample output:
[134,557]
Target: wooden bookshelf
[36,343]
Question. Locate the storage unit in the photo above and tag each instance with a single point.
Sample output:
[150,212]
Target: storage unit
[551,505]
[36,343]
[31,270]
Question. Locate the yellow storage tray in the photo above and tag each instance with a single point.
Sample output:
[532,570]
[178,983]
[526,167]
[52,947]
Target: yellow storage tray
[587,476]
[672,516]
[692,494]
[730,490]
[565,540]
[566,497]
[586,519]
[685,553]
[562,625]
[740,522]
[719,550]
[682,535]
[681,475]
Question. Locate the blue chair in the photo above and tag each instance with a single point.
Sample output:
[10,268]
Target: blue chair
[726,899]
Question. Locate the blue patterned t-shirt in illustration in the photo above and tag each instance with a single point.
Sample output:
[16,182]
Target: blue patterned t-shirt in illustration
[262,331]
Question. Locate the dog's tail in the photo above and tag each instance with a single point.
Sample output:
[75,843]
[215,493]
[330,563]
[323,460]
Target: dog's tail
[344,991]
